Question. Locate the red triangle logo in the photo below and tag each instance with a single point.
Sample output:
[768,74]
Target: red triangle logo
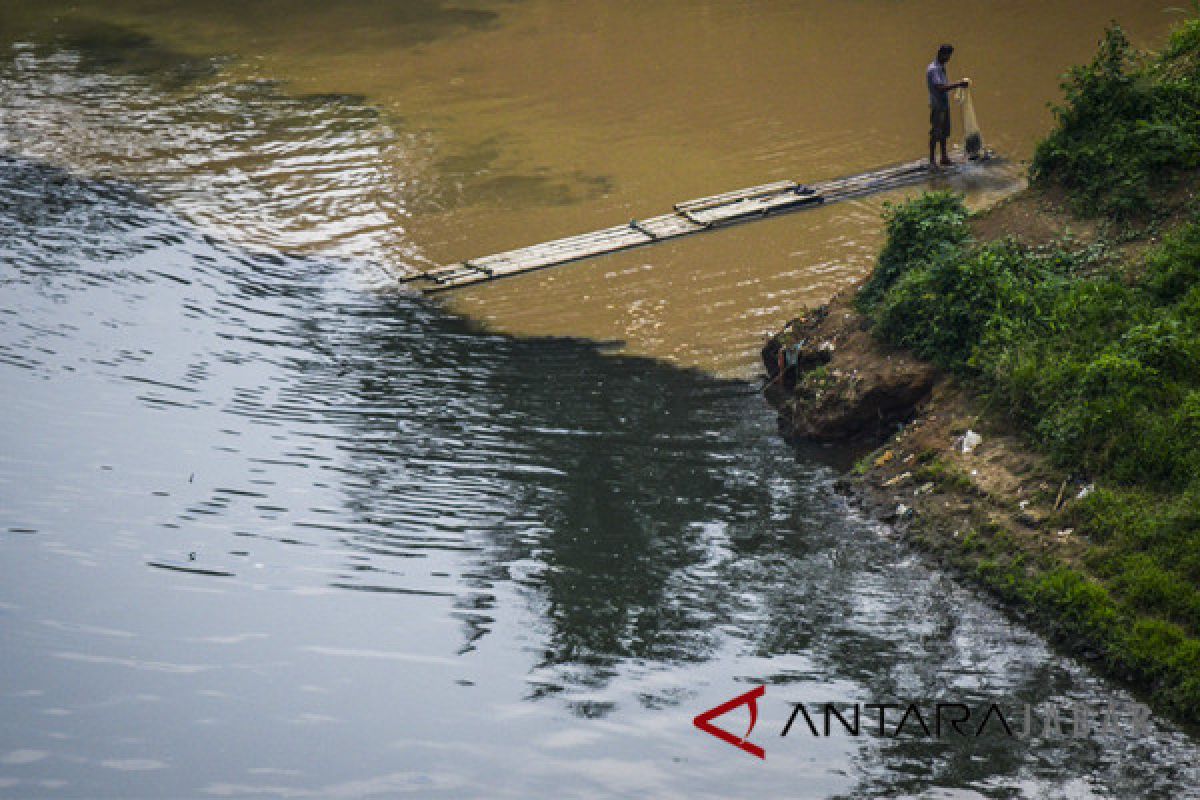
[750,698]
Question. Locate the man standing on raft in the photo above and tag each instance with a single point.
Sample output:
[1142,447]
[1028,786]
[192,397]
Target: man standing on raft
[939,103]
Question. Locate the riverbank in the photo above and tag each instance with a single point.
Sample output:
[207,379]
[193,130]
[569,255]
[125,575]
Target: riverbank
[1032,373]
[960,478]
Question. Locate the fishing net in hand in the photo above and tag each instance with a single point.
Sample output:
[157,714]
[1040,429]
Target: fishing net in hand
[973,141]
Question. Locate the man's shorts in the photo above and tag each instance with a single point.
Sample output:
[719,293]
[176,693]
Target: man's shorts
[939,124]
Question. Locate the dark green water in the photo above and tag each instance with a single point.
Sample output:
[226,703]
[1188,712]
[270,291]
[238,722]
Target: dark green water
[267,532]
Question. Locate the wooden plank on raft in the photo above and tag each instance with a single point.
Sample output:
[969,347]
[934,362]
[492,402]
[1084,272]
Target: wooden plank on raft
[702,203]
[529,259]
[669,226]
[691,216]
[741,210]
[533,258]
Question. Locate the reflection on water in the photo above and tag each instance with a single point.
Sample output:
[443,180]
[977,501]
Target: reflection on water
[266,532]
[245,160]
[448,551]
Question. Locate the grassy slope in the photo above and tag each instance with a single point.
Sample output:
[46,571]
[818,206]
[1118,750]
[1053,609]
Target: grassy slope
[1094,354]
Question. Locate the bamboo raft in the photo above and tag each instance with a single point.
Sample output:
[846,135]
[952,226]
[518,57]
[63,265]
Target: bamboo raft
[693,216]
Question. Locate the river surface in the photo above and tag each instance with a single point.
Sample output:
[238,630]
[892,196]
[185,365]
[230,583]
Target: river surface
[269,526]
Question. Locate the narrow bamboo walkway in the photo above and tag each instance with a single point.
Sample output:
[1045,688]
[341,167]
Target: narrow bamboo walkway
[693,216]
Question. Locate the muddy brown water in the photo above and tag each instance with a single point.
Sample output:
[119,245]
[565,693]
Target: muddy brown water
[271,526]
[507,124]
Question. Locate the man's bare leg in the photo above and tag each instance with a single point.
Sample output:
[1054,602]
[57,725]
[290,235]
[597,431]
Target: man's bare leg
[946,162]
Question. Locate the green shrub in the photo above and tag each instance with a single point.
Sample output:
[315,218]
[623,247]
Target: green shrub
[1174,269]
[1105,375]
[932,226]
[1127,127]
[941,308]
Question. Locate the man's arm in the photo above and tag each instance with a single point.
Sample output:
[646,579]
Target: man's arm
[946,87]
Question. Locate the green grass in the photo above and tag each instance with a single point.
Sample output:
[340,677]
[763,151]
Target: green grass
[944,475]
[1080,611]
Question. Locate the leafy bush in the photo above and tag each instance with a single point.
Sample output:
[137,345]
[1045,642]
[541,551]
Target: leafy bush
[941,309]
[1106,375]
[1127,128]
[931,227]
[1174,269]
[1104,380]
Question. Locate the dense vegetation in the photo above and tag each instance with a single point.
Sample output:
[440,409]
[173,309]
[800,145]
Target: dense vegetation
[1129,127]
[1097,358]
